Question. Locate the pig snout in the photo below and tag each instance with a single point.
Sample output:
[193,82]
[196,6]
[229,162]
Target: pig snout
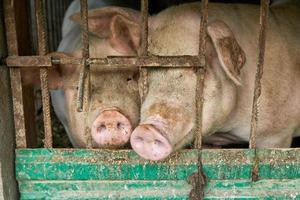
[111,129]
[149,143]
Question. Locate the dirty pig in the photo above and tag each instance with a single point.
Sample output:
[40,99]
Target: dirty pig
[168,112]
[114,105]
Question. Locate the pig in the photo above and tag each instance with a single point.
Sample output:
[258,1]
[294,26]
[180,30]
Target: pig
[168,112]
[114,105]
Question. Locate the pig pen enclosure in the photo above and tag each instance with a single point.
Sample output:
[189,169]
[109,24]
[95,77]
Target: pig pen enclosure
[67,173]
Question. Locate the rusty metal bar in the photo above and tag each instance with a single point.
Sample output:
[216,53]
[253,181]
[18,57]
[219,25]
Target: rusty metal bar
[200,73]
[85,54]
[15,74]
[84,77]
[144,28]
[42,50]
[109,62]
[28,61]
[143,51]
[264,11]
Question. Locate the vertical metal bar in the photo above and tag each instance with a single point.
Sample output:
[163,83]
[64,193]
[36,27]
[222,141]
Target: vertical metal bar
[61,11]
[144,28]
[50,10]
[85,54]
[144,49]
[42,50]
[15,74]
[200,73]
[84,77]
[264,11]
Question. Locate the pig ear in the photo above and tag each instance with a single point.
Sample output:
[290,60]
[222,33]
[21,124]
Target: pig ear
[230,54]
[120,25]
[55,80]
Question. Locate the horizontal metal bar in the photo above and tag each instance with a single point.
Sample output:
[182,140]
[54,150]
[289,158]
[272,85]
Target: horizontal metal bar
[28,61]
[119,62]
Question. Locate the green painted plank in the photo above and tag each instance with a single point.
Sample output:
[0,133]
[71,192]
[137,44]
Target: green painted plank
[104,189]
[263,189]
[279,163]
[44,164]
[217,189]
[227,163]
[96,164]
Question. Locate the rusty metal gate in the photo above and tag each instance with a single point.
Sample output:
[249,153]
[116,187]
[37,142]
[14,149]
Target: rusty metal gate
[34,165]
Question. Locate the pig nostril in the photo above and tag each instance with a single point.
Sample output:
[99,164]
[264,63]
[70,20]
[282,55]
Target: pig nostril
[139,139]
[119,125]
[158,142]
[101,128]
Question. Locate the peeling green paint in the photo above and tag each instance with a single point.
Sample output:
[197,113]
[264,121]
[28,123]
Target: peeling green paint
[238,189]
[108,174]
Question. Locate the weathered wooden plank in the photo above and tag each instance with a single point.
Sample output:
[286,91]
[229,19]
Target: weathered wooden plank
[219,189]
[82,164]
[263,189]
[279,163]
[8,183]
[74,164]
[25,49]
[7,138]
[105,190]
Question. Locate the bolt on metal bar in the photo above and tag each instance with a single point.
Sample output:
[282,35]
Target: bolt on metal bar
[85,54]
[199,98]
[15,74]
[143,83]
[264,11]
[42,50]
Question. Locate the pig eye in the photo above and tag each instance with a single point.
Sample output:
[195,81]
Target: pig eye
[129,79]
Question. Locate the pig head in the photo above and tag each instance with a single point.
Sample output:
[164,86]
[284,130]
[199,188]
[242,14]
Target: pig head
[168,112]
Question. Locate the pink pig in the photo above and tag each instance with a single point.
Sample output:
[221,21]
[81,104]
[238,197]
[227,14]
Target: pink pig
[168,112]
